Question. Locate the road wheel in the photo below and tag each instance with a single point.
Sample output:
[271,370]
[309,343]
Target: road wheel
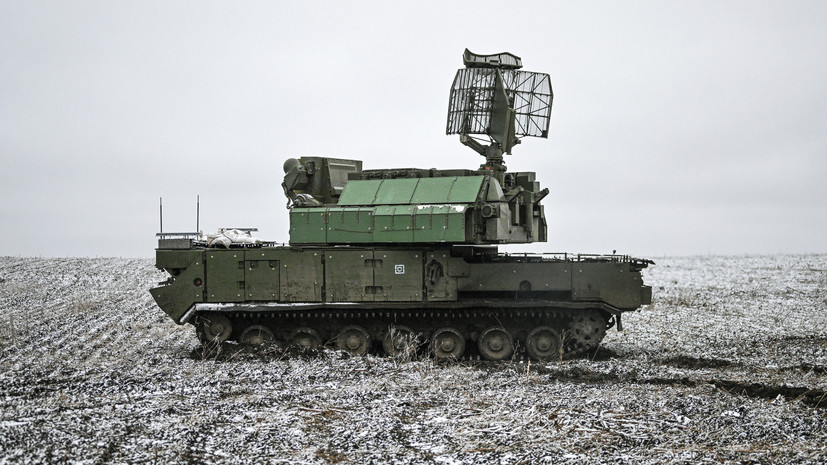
[400,342]
[305,338]
[213,328]
[543,344]
[495,343]
[354,339]
[447,344]
[256,335]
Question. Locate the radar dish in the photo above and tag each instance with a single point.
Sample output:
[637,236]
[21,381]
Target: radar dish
[472,101]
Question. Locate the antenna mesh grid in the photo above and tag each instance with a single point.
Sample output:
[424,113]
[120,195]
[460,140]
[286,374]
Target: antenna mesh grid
[472,97]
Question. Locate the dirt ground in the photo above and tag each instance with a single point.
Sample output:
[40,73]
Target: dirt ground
[727,366]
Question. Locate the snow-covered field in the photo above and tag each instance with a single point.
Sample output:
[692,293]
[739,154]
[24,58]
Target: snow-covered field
[728,365]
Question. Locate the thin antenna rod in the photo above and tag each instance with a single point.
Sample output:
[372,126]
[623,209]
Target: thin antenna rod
[162,214]
[197,213]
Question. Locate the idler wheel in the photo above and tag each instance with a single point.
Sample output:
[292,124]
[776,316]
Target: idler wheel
[305,338]
[543,343]
[495,343]
[447,344]
[256,335]
[353,339]
[400,341]
[213,328]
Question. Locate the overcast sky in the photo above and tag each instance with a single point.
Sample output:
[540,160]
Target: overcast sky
[677,128]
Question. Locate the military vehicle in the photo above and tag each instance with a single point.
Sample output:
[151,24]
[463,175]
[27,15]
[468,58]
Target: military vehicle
[402,260]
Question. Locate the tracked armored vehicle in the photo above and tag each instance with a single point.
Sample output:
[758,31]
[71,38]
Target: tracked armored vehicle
[403,260]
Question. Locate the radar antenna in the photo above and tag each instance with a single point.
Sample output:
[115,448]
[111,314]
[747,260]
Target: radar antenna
[492,97]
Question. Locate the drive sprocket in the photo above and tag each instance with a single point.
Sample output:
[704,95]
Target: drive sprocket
[584,332]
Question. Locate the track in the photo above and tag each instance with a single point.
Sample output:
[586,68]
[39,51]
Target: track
[541,334]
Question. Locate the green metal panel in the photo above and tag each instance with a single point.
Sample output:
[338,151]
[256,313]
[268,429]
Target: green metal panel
[308,225]
[403,191]
[360,192]
[350,224]
[381,224]
[547,276]
[301,275]
[398,275]
[460,189]
[394,223]
[172,259]
[439,223]
[175,299]
[613,283]
[225,275]
[396,191]
[437,192]
[261,274]
[444,287]
[349,275]
[407,210]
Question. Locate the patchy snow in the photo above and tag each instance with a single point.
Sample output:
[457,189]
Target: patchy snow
[456,208]
[728,365]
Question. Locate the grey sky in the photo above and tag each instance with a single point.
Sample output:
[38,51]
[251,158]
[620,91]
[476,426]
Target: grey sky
[677,128]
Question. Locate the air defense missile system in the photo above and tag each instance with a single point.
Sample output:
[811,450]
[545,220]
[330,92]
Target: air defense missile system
[406,260]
